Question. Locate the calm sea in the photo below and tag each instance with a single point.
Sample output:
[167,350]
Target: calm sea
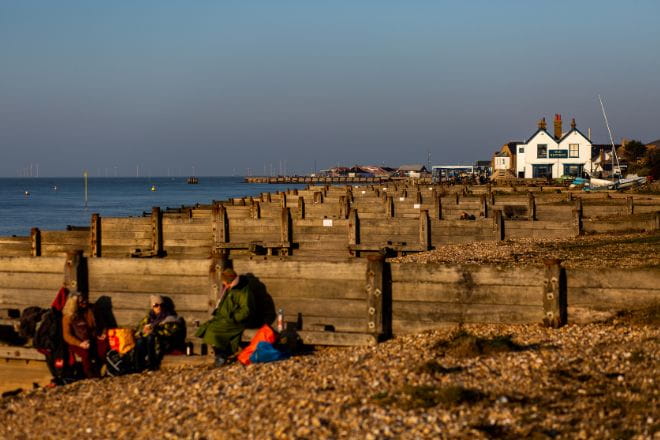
[54,203]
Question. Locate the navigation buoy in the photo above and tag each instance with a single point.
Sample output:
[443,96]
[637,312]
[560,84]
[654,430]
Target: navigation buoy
[27,193]
[153,187]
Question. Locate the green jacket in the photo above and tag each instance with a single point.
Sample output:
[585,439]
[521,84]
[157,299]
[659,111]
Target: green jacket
[230,318]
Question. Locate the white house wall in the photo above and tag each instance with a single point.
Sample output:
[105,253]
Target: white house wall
[527,158]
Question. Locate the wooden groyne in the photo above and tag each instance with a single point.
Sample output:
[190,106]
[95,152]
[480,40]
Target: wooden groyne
[350,302]
[319,253]
[345,221]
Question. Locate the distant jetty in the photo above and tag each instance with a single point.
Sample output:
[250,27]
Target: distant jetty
[320,179]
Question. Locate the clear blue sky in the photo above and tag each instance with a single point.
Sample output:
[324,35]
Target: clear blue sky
[227,86]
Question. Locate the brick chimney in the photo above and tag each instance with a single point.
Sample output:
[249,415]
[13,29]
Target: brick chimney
[573,124]
[557,126]
[542,124]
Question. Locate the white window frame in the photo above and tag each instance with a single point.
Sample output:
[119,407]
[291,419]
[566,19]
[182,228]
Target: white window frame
[573,153]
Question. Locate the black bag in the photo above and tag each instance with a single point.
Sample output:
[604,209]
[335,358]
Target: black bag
[48,340]
[119,365]
[30,317]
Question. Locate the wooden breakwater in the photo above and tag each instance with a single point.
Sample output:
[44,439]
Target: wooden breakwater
[343,221]
[357,301]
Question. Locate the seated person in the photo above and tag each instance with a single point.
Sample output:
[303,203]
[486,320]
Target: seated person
[82,336]
[158,333]
[230,317]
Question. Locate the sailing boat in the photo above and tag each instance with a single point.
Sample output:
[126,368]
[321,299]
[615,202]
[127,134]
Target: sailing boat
[617,182]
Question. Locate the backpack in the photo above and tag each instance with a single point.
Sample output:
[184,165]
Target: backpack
[119,365]
[30,317]
[48,332]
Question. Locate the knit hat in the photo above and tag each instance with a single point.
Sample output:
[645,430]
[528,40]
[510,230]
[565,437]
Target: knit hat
[155,299]
[228,275]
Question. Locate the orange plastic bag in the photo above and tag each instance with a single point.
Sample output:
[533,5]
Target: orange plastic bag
[121,340]
[265,333]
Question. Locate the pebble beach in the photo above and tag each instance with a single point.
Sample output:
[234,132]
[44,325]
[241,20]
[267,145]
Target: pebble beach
[479,381]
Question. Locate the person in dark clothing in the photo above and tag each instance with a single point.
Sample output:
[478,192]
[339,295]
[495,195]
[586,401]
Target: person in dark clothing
[230,317]
[158,333]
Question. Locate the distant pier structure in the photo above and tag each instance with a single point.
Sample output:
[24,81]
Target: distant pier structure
[316,179]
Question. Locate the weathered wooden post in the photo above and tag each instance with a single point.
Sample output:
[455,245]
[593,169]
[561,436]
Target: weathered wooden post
[374,288]
[285,231]
[483,211]
[269,198]
[220,225]
[657,220]
[404,193]
[457,199]
[283,200]
[301,207]
[353,230]
[295,191]
[75,272]
[95,236]
[554,294]
[577,222]
[631,205]
[344,207]
[418,197]
[531,207]
[156,231]
[318,197]
[255,210]
[437,207]
[498,220]
[424,230]
[389,206]
[35,242]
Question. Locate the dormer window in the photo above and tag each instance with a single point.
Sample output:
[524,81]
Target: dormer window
[573,150]
[542,151]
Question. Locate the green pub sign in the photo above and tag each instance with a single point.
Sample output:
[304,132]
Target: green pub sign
[558,154]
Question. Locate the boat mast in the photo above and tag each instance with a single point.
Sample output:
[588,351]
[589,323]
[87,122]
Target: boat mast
[614,156]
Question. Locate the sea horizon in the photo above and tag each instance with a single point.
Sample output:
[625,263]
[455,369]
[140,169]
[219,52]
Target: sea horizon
[53,203]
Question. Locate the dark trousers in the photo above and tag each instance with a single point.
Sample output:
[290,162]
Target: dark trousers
[91,358]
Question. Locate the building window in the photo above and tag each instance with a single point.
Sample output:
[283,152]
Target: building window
[573,150]
[573,170]
[542,151]
[521,150]
[541,171]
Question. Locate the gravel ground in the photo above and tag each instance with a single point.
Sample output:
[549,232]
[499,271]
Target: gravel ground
[597,251]
[496,381]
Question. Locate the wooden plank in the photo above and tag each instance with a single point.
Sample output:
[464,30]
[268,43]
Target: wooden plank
[300,270]
[606,298]
[32,264]
[471,313]
[122,266]
[467,293]
[29,296]
[614,278]
[337,338]
[148,283]
[35,280]
[21,353]
[479,274]
[297,288]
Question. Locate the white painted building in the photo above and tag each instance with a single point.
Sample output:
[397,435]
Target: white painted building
[544,155]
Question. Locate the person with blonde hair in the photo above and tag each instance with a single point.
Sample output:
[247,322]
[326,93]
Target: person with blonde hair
[81,334]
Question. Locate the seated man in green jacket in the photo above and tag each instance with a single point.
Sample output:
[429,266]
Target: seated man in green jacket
[230,317]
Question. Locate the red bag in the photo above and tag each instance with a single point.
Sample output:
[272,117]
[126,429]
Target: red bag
[265,333]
